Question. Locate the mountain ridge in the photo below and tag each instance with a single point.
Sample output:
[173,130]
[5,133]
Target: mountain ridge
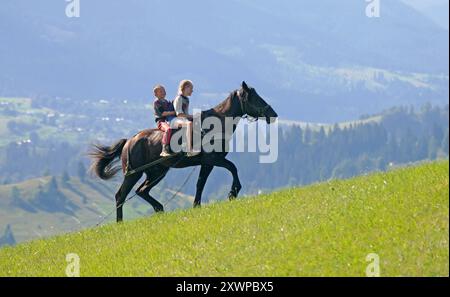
[285,49]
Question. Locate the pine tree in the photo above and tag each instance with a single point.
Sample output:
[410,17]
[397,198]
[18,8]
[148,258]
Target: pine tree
[8,237]
[444,144]
[15,193]
[432,148]
[307,135]
[65,177]
[34,137]
[46,172]
[52,186]
[50,198]
[16,200]
[81,171]
[320,136]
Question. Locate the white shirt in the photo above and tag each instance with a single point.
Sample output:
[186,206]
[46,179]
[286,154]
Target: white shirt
[181,105]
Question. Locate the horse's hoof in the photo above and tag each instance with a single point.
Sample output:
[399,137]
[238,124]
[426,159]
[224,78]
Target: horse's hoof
[231,197]
[197,205]
[159,210]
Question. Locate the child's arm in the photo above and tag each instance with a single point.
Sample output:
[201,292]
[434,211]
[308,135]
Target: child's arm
[168,113]
[159,110]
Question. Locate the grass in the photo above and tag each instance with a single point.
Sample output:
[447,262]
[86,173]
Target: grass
[324,229]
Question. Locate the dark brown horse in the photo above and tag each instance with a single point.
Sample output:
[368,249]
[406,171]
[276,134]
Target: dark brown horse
[145,147]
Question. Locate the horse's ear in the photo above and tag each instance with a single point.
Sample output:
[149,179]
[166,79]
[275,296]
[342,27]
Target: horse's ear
[245,87]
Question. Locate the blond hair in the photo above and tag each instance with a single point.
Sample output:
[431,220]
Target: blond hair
[183,84]
[157,87]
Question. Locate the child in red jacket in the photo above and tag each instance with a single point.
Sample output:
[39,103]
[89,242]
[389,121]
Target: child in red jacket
[164,113]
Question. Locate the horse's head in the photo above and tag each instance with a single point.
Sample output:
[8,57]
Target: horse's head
[253,105]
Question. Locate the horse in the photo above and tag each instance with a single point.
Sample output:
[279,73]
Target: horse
[145,147]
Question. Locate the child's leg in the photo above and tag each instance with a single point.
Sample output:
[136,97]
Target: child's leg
[165,127]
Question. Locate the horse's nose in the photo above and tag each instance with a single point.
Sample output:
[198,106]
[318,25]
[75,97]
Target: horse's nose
[271,119]
[272,113]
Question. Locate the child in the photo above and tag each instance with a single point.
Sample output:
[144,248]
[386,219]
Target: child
[181,106]
[164,113]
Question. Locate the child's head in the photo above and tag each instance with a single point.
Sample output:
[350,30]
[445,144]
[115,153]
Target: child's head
[185,88]
[159,91]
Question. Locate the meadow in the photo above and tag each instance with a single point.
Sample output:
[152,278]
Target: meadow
[325,229]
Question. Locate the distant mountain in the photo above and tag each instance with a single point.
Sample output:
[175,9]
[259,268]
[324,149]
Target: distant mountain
[314,60]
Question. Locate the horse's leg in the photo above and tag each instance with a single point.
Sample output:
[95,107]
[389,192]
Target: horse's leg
[202,178]
[121,195]
[236,186]
[144,190]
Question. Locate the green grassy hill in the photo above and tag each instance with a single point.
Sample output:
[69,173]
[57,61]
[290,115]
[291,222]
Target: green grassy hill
[323,229]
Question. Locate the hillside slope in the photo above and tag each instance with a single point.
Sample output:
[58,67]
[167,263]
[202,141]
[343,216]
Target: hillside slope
[323,229]
[74,206]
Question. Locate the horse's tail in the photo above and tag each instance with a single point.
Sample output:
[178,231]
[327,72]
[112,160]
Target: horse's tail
[103,164]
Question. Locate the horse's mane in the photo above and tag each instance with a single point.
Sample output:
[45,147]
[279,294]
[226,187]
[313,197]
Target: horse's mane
[216,111]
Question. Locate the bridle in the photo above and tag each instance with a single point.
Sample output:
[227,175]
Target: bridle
[245,104]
